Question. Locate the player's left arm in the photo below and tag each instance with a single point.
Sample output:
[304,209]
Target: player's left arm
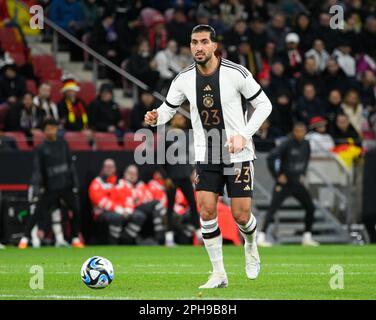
[253,93]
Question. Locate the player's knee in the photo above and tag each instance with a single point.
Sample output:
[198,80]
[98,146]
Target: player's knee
[242,219]
[242,215]
[208,212]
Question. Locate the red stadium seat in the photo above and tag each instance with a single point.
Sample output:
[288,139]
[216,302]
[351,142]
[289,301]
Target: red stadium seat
[50,74]
[87,91]
[8,35]
[31,86]
[125,114]
[130,143]
[18,57]
[13,47]
[77,141]
[38,138]
[56,86]
[106,142]
[20,140]
[3,113]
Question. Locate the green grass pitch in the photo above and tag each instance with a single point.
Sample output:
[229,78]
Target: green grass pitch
[287,272]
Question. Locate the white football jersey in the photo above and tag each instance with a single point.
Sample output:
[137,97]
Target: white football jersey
[216,103]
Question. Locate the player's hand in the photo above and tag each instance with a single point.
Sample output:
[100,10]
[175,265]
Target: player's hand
[282,179]
[151,117]
[236,143]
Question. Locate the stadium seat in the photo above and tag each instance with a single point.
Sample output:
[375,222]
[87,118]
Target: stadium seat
[56,86]
[31,86]
[18,57]
[3,112]
[106,142]
[87,91]
[38,138]
[77,141]
[20,140]
[8,35]
[129,141]
[125,114]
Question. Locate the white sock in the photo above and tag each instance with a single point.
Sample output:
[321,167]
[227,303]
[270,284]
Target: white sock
[58,232]
[169,236]
[213,243]
[248,230]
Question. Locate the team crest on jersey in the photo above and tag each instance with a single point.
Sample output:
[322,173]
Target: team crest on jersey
[208,100]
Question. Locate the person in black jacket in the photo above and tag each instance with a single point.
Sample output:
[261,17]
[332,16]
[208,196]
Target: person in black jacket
[179,176]
[12,85]
[104,114]
[293,157]
[54,180]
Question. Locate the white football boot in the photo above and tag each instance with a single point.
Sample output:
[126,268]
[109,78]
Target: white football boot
[308,241]
[252,259]
[169,239]
[261,240]
[216,280]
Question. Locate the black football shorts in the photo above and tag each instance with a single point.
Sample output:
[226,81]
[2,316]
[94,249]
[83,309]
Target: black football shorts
[237,177]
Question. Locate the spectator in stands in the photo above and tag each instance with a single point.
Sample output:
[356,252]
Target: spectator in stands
[72,109]
[325,32]
[104,113]
[90,9]
[105,40]
[305,31]
[343,132]
[352,107]
[213,9]
[320,55]
[185,57]
[280,92]
[309,75]
[179,28]
[5,59]
[366,88]
[344,59]
[236,35]
[258,35]
[245,55]
[25,117]
[157,36]
[12,85]
[142,66]
[320,141]
[147,103]
[69,15]
[292,57]
[256,9]
[168,65]
[7,143]
[44,102]
[333,106]
[277,31]
[265,137]
[231,11]
[309,105]
[368,36]
[333,78]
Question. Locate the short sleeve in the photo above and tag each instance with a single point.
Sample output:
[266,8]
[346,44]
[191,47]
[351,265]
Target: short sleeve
[248,86]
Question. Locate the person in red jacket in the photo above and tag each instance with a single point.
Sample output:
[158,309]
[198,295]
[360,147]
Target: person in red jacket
[148,198]
[114,205]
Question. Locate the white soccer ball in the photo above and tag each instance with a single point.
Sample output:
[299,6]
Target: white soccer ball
[97,272]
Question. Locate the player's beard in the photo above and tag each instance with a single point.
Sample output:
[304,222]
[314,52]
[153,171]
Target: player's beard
[202,62]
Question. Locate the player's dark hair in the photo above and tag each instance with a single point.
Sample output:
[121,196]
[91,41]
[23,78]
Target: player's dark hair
[50,122]
[205,28]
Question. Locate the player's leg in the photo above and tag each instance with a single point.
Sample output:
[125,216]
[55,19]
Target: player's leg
[72,202]
[239,182]
[301,193]
[171,193]
[186,187]
[38,217]
[212,238]
[280,193]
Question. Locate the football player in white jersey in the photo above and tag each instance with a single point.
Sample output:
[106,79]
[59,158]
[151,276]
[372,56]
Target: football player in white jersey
[215,87]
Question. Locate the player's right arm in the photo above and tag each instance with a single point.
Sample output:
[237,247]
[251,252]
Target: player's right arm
[167,110]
